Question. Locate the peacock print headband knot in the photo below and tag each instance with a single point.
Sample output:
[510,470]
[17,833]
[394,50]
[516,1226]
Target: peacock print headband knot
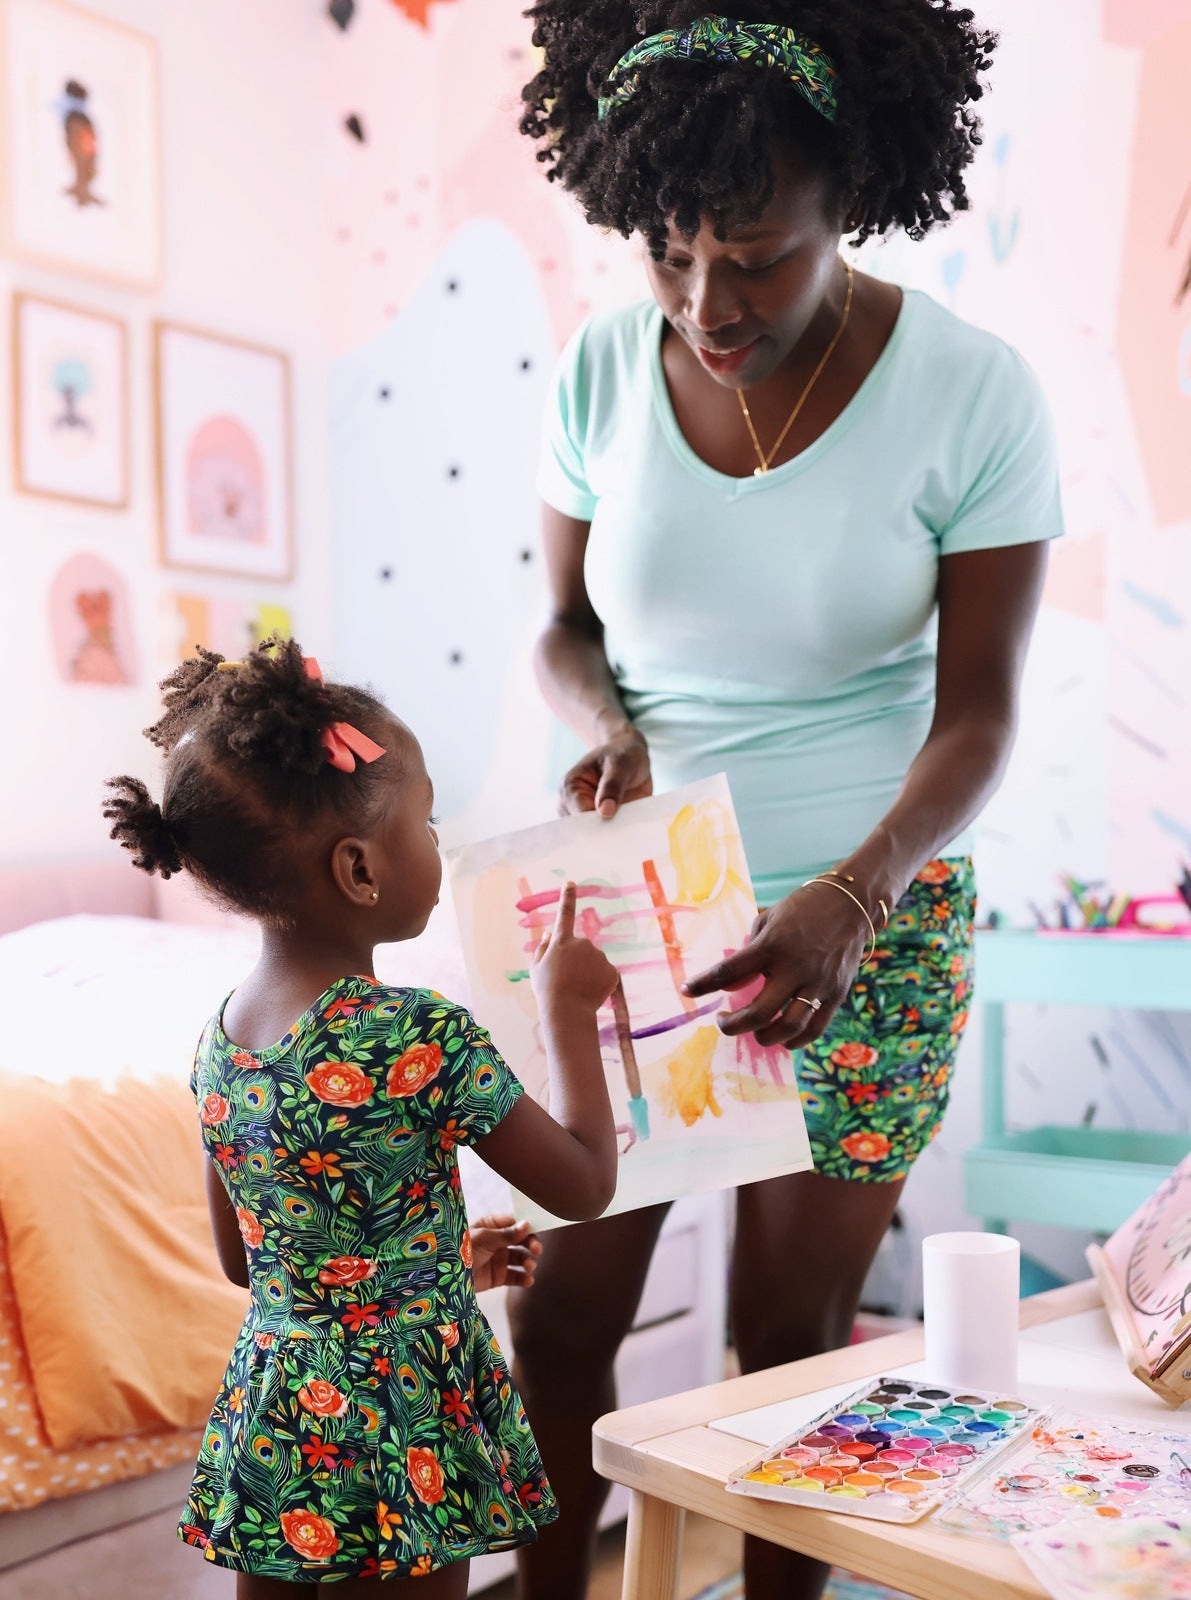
[718,39]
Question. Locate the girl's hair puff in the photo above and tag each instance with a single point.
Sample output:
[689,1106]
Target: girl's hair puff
[247,779]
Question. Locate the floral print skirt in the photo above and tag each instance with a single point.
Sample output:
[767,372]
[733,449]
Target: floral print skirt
[875,1086]
[386,1452]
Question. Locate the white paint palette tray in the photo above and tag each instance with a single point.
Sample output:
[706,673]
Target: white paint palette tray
[894,1450]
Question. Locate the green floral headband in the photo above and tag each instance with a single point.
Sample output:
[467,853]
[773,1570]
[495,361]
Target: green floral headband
[760,44]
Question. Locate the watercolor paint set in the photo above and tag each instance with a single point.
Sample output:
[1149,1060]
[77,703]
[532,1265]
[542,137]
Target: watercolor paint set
[893,1450]
[1072,1469]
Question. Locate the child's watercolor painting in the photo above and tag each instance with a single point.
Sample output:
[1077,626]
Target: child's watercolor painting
[1139,1558]
[664,891]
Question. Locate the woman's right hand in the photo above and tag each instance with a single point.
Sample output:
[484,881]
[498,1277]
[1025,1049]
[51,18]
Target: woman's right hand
[569,972]
[608,776]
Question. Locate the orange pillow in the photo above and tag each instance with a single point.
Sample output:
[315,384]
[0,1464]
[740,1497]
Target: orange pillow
[126,1317]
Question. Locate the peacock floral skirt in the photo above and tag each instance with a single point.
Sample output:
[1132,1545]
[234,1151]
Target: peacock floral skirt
[383,1450]
[875,1086]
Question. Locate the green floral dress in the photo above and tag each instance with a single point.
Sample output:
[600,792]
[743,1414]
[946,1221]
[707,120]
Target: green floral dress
[367,1424]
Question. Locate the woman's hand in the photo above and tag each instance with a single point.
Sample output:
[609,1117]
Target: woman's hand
[807,945]
[504,1253]
[608,776]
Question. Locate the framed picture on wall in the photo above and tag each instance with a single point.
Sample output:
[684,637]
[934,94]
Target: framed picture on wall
[70,403]
[80,142]
[223,454]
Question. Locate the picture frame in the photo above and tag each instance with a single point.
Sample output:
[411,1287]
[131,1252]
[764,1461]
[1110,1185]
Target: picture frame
[70,403]
[224,454]
[80,143]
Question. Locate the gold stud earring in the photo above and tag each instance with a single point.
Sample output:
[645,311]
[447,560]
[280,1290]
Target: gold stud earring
[376,894]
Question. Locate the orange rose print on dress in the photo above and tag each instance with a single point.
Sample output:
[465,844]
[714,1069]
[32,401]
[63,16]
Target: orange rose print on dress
[853,1056]
[215,1110]
[413,1070]
[250,1229]
[450,1330]
[425,1475]
[311,1536]
[866,1146]
[959,1022]
[340,1083]
[465,1254]
[241,1058]
[934,872]
[322,1399]
[342,1271]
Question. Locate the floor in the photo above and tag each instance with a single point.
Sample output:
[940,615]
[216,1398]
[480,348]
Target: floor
[145,1561]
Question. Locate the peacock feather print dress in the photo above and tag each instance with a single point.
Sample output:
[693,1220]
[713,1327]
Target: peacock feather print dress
[367,1424]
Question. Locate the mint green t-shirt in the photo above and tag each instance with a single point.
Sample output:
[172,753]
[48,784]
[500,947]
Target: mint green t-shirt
[781,629]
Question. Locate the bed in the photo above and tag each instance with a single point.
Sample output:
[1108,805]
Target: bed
[75,944]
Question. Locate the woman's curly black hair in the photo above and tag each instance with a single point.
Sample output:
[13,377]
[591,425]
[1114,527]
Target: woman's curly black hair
[246,776]
[695,142]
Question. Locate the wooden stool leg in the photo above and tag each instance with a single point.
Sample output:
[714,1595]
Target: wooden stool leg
[653,1549]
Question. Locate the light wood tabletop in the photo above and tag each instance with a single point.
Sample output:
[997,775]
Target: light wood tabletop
[672,1461]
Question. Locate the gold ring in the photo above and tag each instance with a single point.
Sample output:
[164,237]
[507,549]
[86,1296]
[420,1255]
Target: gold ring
[803,1001]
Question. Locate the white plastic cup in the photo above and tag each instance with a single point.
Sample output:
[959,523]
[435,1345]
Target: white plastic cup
[971,1285]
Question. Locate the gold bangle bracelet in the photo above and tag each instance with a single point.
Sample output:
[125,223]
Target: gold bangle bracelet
[860,906]
[834,872]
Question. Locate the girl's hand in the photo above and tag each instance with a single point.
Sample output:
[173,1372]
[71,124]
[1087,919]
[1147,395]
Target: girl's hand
[504,1253]
[805,945]
[570,972]
[608,776]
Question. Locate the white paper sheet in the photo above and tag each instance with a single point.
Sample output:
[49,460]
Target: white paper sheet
[663,889]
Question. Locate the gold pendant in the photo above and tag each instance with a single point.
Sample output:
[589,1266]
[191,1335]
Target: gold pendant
[759,472]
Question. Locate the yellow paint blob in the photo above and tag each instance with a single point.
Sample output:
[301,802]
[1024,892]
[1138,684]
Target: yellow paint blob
[698,850]
[689,1088]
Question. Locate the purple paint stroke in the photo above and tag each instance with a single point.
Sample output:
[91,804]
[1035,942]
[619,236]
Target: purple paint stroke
[608,1035]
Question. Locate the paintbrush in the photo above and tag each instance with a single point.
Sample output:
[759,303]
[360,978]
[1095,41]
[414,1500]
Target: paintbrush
[638,1104]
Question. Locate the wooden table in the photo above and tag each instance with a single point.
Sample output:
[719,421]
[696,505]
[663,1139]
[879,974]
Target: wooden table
[672,1462]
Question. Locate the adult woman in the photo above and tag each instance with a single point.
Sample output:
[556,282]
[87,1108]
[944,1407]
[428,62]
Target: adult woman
[763,495]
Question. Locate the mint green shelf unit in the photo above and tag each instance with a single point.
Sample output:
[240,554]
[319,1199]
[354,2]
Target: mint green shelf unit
[1088,1178]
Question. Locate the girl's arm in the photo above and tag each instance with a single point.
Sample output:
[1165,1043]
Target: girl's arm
[577,683]
[812,942]
[564,1158]
[229,1245]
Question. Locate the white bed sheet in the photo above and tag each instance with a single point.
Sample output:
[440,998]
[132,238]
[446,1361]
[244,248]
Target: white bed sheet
[112,997]
[117,996]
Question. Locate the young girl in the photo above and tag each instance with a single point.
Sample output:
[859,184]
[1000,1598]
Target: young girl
[367,1427]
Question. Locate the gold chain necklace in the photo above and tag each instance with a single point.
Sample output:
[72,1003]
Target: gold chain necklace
[763,459]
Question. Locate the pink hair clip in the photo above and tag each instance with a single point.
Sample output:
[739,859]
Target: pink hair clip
[341,741]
